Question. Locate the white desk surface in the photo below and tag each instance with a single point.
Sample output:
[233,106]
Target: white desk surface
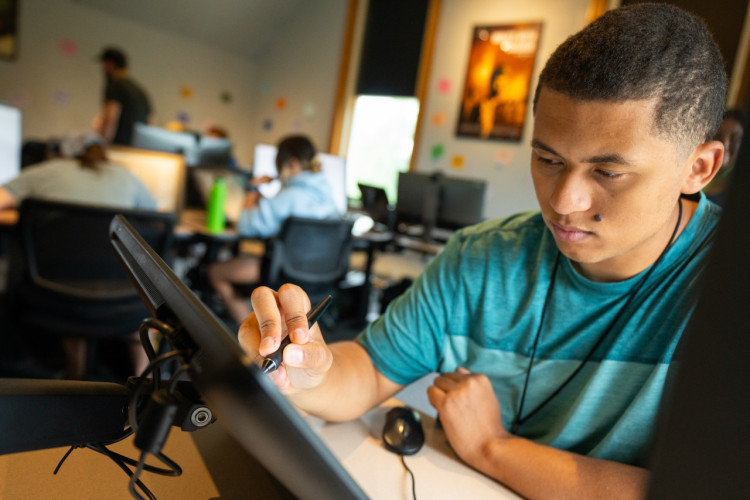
[214,466]
[437,470]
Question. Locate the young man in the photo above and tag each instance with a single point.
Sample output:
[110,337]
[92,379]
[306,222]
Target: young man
[553,331]
[125,102]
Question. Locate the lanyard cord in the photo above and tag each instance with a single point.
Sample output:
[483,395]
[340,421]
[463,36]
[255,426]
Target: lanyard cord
[519,420]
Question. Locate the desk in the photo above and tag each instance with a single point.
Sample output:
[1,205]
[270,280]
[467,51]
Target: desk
[191,229]
[8,217]
[214,466]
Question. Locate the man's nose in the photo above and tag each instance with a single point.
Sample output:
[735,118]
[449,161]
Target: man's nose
[572,194]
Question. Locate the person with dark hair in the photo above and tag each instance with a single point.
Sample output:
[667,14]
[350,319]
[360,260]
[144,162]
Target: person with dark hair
[552,332]
[730,134]
[305,193]
[125,101]
[82,175]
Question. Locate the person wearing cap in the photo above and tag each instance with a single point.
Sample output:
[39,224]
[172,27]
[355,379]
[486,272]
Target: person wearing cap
[125,101]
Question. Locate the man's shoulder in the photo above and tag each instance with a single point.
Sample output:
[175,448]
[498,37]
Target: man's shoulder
[513,239]
[50,167]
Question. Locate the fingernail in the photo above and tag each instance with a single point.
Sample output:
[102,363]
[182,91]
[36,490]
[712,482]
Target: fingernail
[293,356]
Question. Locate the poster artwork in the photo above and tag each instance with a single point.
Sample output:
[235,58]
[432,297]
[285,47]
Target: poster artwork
[498,79]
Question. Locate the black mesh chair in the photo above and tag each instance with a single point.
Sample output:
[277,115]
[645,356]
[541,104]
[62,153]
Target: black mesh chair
[70,282]
[311,253]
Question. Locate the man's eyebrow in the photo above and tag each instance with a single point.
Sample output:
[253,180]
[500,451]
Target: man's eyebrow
[536,143]
[615,158]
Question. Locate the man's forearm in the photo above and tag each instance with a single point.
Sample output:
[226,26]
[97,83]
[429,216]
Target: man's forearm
[352,386]
[110,116]
[538,471]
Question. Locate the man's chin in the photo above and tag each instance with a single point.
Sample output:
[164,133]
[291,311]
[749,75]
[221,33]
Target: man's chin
[580,255]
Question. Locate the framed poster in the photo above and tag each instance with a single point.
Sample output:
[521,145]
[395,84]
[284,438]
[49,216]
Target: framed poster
[498,80]
[8,28]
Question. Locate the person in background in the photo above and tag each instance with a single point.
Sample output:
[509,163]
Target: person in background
[552,332]
[125,101]
[82,175]
[221,133]
[305,193]
[730,134]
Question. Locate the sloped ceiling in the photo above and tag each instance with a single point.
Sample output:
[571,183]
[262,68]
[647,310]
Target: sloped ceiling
[243,27]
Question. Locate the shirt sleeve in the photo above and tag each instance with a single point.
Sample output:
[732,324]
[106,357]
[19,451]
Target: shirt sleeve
[112,92]
[22,186]
[264,220]
[407,341]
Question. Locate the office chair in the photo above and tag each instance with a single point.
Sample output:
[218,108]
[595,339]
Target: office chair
[313,254]
[71,283]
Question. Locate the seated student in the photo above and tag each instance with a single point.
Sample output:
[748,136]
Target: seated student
[82,175]
[730,134]
[552,331]
[305,193]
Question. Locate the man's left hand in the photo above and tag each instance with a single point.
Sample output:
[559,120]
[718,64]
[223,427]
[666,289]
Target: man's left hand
[469,412]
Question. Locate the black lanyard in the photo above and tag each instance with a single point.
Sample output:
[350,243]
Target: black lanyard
[518,420]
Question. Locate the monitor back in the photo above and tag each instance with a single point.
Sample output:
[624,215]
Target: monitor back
[461,202]
[244,400]
[167,141]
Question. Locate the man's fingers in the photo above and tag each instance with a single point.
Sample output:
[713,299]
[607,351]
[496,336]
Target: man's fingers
[266,308]
[295,304]
[436,397]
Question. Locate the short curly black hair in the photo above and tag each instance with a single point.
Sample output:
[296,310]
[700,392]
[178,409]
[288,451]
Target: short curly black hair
[646,51]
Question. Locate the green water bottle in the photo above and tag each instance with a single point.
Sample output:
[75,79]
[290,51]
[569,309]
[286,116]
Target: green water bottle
[216,219]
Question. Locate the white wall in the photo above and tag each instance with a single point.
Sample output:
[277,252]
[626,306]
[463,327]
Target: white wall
[302,67]
[58,93]
[504,164]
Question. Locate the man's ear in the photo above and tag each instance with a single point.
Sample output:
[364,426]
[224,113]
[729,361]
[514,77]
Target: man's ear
[705,163]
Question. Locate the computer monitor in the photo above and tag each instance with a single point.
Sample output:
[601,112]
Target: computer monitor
[414,203]
[213,152]
[10,143]
[245,402]
[162,173]
[438,200]
[334,168]
[375,202]
[461,202]
[167,141]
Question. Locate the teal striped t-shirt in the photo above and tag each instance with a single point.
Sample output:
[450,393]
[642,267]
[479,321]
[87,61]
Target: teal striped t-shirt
[478,305]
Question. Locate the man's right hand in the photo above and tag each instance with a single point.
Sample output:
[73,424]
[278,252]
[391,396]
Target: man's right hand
[307,360]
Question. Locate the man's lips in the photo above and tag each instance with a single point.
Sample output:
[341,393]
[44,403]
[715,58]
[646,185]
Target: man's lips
[569,233]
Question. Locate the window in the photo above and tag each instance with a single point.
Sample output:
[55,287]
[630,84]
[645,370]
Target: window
[381,142]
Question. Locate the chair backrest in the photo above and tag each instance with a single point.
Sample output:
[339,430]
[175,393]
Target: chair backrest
[311,251]
[67,249]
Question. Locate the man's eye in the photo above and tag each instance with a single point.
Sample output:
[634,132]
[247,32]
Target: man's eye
[548,161]
[609,175]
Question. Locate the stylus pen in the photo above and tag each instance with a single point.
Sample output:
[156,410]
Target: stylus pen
[273,361]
